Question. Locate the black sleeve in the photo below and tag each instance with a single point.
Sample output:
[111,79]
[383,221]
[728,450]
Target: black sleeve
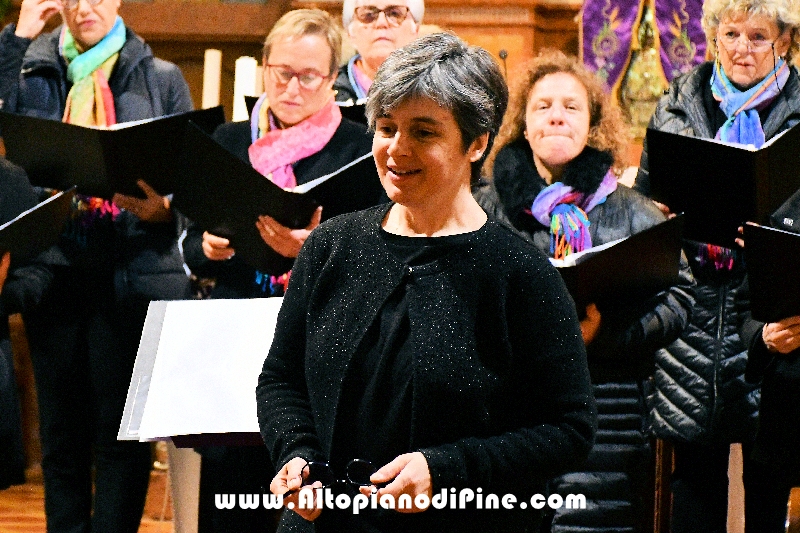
[26,283]
[631,334]
[551,393]
[12,52]
[758,356]
[284,413]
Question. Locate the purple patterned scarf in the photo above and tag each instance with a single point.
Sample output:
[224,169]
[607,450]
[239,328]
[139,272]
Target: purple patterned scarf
[563,209]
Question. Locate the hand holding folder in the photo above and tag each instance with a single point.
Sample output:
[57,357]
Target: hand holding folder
[721,185]
[226,196]
[633,268]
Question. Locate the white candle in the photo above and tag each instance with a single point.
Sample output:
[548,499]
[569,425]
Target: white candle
[259,80]
[244,84]
[212,73]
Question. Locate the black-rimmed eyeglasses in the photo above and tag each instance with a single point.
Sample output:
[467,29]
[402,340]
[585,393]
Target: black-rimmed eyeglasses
[395,15]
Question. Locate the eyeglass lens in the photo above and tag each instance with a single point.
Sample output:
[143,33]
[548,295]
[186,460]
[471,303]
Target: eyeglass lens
[307,79]
[72,4]
[757,44]
[358,473]
[395,15]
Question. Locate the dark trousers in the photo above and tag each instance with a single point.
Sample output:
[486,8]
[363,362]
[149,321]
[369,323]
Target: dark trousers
[12,459]
[700,492]
[235,470]
[83,348]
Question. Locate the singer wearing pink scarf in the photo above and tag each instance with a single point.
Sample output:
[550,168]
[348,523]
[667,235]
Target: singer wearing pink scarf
[295,134]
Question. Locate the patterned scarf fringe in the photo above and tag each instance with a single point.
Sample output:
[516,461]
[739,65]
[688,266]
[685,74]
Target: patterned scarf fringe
[272,285]
[720,257]
[569,231]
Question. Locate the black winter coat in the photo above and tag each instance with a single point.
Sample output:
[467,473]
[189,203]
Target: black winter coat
[700,394]
[344,89]
[235,278]
[142,259]
[613,478]
[501,393]
[16,196]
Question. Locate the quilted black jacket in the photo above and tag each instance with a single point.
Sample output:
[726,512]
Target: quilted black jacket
[613,479]
[699,393]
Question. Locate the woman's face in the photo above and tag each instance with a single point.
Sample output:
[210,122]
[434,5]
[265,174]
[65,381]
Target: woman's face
[376,40]
[309,57]
[89,24]
[745,48]
[420,155]
[556,121]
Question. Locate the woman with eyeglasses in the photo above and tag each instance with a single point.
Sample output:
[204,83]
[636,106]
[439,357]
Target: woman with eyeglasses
[376,29]
[296,133]
[112,260]
[421,336]
[747,94]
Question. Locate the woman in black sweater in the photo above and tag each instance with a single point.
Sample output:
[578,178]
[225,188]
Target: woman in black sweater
[296,134]
[421,336]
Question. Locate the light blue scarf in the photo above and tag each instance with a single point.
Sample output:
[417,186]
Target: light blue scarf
[741,107]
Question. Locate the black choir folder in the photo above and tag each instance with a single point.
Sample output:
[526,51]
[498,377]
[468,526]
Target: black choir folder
[634,268]
[101,161]
[196,372]
[772,257]
[225,195]
[720,186]
[35,230]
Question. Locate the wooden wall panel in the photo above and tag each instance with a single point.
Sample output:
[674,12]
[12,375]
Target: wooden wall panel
[521,27]
[181,31]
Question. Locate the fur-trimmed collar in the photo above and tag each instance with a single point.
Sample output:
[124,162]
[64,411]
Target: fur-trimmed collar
[517,181]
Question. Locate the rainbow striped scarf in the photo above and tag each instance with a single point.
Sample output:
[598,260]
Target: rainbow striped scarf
[564,209]
[91,103]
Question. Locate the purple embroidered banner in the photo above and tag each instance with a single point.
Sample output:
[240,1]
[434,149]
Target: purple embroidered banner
[606,30]
[681,37]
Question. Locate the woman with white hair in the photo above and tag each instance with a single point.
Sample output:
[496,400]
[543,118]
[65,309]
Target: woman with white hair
[376,28]
[748,94]
[423,348]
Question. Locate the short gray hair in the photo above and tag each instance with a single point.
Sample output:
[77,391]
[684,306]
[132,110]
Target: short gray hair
[782,12]
[417,8]
[441,67]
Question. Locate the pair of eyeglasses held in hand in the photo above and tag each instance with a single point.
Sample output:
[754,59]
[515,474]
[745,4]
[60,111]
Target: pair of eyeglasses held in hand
[358,472]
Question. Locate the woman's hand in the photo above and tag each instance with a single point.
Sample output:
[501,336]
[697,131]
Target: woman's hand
[283,240]
[217,248]
[590,325]
[782,337]
[408,474]
[33,15]
[154,208]
[5,262]
[290,480]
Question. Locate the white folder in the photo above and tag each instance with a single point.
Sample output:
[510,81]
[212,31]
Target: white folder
[197,369]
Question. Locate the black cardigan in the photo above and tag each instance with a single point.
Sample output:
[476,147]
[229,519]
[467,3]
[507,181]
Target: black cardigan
[501,390]
[234,278]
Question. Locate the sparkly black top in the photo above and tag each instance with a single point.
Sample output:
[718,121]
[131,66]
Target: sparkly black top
[501,398]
